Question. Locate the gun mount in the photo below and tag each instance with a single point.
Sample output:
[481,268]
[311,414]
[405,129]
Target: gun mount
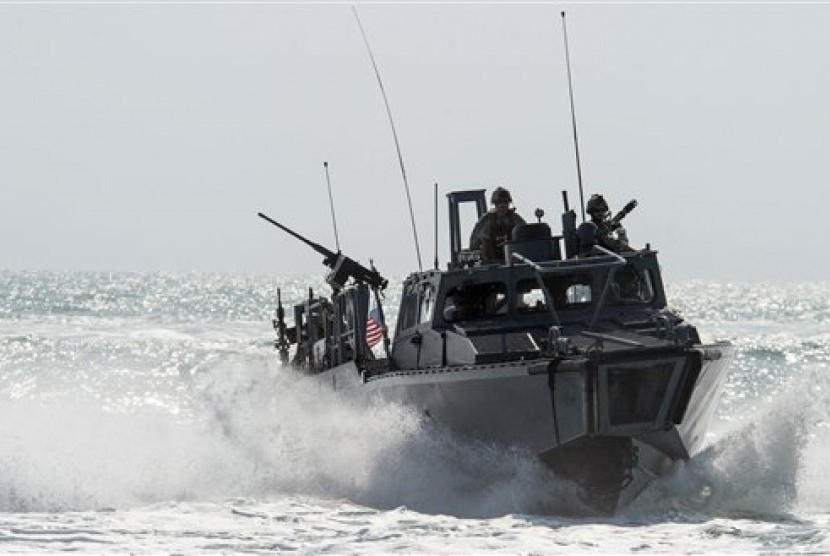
[342,267]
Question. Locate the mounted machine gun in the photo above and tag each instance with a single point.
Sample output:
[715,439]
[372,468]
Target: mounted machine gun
[342,267]
[616,221]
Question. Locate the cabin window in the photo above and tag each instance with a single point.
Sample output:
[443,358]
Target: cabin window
[570,290]
[633,285]
[427,302]
[476,301]
[346,313]
[648,287]
[300,323]
[409,310]
[567,291]
[417,306]
[577,294]
[530,297]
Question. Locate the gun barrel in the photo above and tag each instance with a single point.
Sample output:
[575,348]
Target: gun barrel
[316,246]
[631,205]
[342,267]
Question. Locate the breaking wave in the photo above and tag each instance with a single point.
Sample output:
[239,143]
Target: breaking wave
[141,395]
[259,433]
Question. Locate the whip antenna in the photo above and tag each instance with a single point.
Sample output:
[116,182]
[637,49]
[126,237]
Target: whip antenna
[573,118]
[394,135]
[331,204]
[436,225]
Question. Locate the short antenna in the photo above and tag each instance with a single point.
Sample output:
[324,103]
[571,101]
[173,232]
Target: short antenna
[394,135]
[436,225]
[573,118]
[331,204]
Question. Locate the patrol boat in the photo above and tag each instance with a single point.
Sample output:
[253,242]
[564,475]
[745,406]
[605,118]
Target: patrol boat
[563,348]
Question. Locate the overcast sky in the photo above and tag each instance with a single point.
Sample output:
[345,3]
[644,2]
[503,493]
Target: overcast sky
[147,137]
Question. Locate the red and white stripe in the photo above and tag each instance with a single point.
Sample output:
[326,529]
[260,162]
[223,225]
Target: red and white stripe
[373,332]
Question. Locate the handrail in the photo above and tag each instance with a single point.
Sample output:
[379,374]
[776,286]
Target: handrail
[620,261]
[607,258]
[609,253]
[538,271]
[610,338]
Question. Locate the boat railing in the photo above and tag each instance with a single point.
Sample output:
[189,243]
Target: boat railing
[604,258]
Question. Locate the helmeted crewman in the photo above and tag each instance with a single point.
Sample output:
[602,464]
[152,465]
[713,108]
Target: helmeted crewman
[494,228]
[608,236]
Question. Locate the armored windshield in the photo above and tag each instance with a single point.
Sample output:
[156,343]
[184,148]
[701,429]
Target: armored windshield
[568,291]
[476,301]
[632,284]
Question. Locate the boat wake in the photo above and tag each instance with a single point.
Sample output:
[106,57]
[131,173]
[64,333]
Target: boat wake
[262,434]
[259,433]
[767,462]
[303,438]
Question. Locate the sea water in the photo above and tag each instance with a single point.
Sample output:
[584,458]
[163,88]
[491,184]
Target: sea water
[148,413]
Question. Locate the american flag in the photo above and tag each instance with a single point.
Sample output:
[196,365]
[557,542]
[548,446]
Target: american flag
[373,328]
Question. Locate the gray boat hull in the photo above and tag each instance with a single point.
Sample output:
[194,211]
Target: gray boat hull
[610,423]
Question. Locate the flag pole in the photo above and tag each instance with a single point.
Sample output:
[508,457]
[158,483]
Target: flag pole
[383,328]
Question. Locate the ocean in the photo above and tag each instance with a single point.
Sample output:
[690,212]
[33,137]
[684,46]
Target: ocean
[147,413]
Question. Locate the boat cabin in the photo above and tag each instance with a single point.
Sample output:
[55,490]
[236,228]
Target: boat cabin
[478,311]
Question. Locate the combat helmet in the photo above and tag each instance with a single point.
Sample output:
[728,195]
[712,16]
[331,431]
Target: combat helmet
[500,195]
[596,204]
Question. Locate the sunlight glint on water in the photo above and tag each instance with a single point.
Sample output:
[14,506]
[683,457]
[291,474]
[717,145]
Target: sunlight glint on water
[147,412]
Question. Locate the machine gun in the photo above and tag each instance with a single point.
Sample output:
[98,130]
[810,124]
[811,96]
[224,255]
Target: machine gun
[342,267]
[282,343]
[615,222]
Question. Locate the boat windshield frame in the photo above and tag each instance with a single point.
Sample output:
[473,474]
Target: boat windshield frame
[603,258]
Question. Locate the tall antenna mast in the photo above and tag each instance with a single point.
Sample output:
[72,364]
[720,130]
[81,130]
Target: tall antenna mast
[394,135]
[331,204]
[573,118]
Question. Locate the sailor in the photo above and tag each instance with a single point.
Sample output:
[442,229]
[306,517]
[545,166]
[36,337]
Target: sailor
[495,227]
[608,235]
[459,306]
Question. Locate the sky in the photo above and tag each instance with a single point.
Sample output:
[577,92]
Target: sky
[146,137]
